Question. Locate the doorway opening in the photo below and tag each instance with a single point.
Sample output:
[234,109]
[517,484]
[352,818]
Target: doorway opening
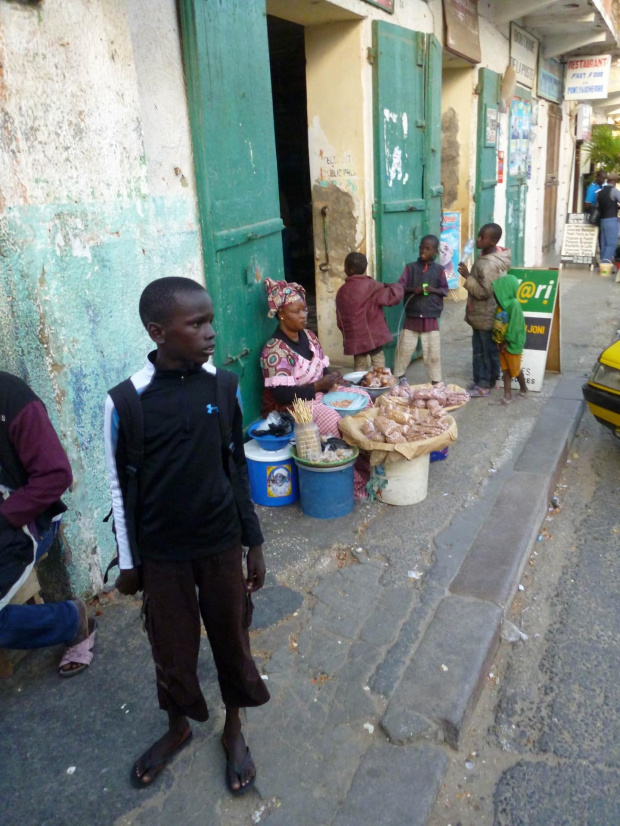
[287,57]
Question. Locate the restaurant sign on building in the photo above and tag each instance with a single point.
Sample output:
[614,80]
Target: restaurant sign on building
[523,56]
[550,79]
[462,32]
[587,78]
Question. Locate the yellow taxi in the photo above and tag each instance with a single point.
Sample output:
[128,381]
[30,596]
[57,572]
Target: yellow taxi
[602,392]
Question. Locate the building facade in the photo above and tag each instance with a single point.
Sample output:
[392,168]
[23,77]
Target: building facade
[233,140]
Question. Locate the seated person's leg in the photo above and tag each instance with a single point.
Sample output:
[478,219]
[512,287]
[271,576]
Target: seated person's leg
[37,626]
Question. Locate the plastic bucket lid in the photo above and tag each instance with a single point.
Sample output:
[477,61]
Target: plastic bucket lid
[255,453]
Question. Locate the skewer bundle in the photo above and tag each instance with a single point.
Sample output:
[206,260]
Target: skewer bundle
[302,411]
[307,437]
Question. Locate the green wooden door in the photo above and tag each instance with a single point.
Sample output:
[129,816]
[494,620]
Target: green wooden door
[231,114]
[433,190]
[519,160]
[486,166]
[407,133]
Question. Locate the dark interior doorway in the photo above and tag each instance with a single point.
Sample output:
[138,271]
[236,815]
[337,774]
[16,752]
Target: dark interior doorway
[288,82]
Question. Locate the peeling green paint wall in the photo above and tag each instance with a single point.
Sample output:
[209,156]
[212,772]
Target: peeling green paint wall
[70,279]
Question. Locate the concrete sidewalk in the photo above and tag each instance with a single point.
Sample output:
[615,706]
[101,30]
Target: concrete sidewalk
[372,673]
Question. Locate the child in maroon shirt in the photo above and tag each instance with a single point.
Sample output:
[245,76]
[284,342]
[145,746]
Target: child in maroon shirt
[359,313]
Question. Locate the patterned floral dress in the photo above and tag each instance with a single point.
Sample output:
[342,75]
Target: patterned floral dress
[283,367]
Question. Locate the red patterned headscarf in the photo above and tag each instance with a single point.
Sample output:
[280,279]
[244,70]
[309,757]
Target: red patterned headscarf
[280,293]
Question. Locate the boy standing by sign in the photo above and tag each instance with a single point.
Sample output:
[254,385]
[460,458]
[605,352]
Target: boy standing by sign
[509,334]
[492,263]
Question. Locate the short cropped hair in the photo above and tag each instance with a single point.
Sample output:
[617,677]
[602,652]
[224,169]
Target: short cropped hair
[431,239]
[158,298]
[356,263]
[494,230]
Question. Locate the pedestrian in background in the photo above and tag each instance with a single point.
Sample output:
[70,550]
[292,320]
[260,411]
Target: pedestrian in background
[593,189]
[608,200]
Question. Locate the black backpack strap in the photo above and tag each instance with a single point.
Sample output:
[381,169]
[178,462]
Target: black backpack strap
[129,409]
[226,384]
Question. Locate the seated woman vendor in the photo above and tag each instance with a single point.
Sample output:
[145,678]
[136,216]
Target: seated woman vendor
[293,361]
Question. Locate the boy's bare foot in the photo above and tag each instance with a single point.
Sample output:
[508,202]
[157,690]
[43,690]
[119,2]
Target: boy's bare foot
[153,761]
[505,400]
[240,767]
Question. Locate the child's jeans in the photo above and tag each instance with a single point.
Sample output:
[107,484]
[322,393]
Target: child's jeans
[485,358]
[431,353]
[377,359]
[37,626]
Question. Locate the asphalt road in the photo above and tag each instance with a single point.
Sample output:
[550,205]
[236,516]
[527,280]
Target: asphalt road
[543,748]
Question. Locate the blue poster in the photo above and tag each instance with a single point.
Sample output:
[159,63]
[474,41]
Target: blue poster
[450,247]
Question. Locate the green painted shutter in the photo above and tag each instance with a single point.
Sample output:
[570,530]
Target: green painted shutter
[402,153]
[486,167]
[231,113]
[433,190]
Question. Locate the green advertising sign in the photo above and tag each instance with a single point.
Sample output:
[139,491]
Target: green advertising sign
[537,294]
[537,289]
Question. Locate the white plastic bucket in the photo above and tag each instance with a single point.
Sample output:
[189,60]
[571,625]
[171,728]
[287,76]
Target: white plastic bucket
[407,480]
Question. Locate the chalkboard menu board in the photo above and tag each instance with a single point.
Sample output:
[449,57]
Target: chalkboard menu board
[579,242]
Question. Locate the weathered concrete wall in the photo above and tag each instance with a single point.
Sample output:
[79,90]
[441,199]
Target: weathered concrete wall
[457,170]
[336,145]
[90,211]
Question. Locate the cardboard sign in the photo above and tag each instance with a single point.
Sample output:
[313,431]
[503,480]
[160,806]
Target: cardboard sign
[462,32]
[450,247]
[579,241]
[538,295]
[587,78]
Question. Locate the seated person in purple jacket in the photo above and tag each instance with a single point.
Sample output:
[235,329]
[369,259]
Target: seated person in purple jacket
[359,313]
[34,473]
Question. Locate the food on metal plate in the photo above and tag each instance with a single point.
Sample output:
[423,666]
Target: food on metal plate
[379,377]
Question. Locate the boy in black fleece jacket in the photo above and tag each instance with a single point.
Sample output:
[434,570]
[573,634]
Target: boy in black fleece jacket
[425,288]
[190,527]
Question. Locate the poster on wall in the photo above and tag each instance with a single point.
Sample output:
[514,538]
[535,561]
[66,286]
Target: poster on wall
[519,144]
[450,247]
[523,56]
[587,78]
[550,79]
[537,294]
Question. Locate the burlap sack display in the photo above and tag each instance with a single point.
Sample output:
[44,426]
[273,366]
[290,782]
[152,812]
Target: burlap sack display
[454,387]
[383,453]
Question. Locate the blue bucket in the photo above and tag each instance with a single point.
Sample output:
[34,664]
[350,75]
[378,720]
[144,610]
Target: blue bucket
[273,475]
[326,492]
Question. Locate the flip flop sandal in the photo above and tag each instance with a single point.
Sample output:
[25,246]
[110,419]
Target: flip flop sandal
[478,393]
[152,768]
[239,771]
[503,402]
[80,653]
